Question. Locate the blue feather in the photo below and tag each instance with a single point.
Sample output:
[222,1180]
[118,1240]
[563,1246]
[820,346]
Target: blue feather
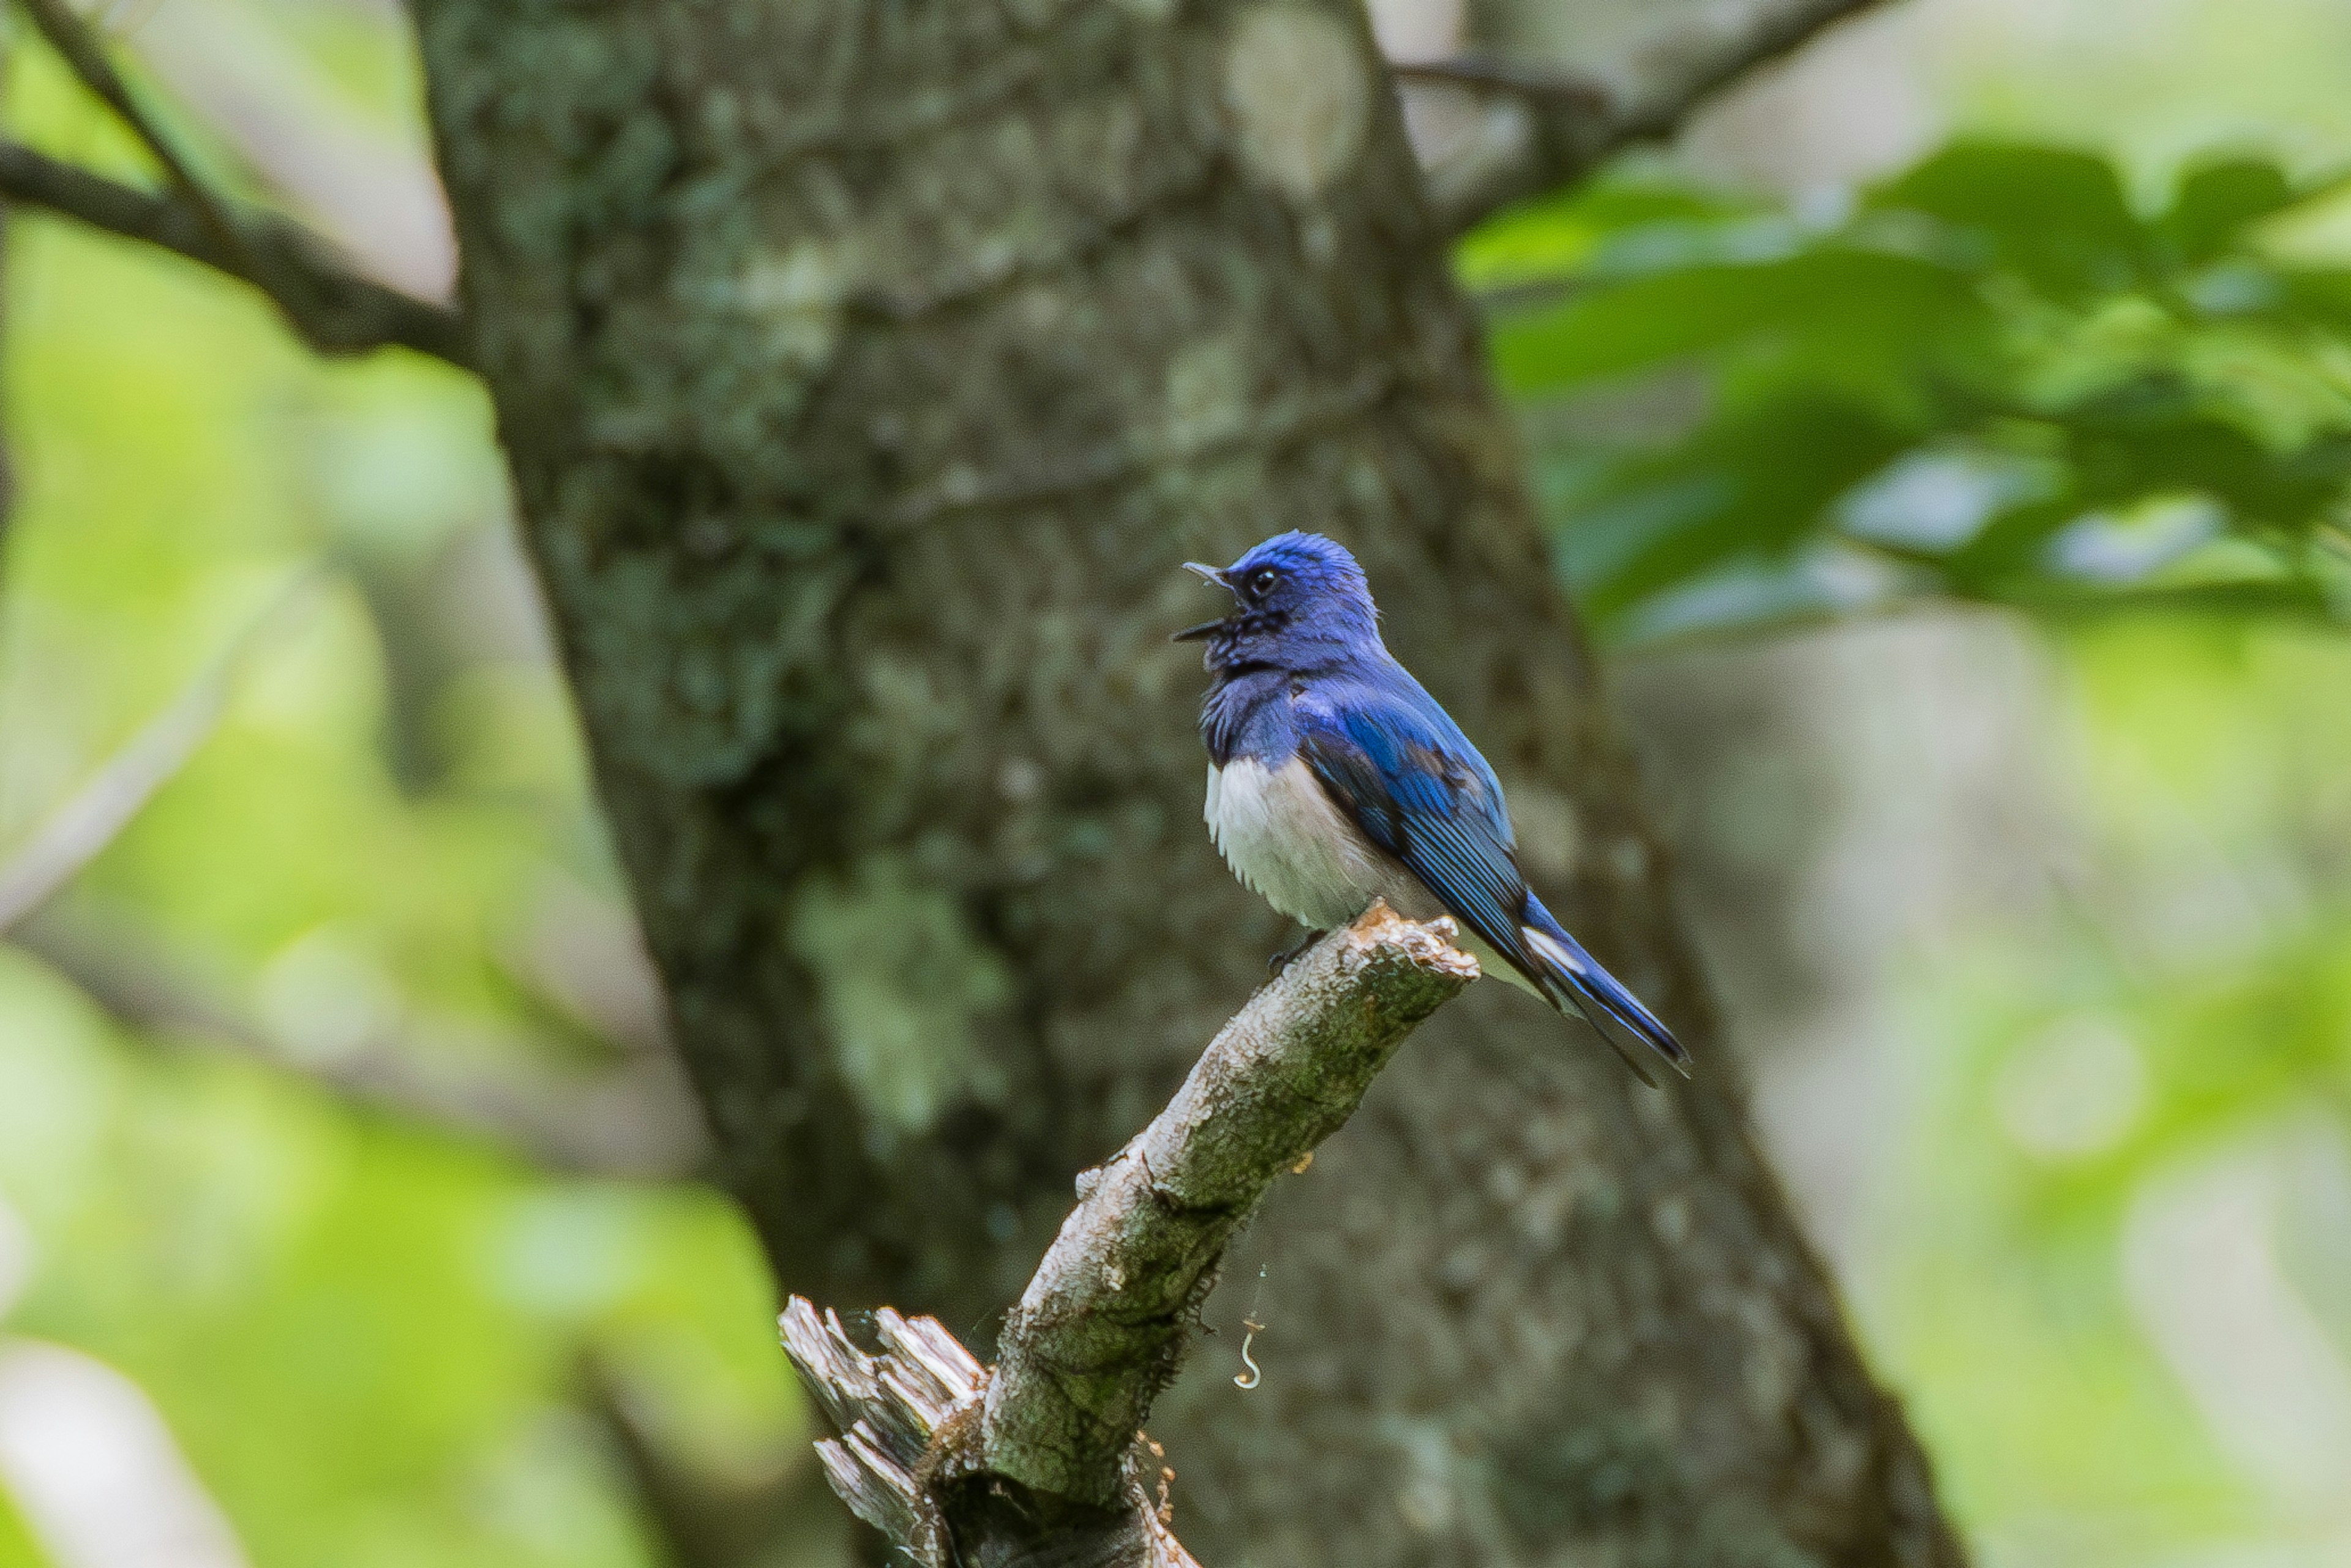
[1598,995]
[1396,763]
[1301,672]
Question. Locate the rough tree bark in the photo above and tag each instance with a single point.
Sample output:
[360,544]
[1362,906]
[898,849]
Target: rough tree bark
[865,367]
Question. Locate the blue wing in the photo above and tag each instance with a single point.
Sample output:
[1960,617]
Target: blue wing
[1419,790]
[1403,771]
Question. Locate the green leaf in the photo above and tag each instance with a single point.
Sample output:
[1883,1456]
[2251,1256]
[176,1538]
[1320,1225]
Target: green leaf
[2217,201]
[1553,239]
[1751,487]
[2055,217]
[1863,306]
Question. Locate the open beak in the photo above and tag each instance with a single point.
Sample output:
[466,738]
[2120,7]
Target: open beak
[1208,574]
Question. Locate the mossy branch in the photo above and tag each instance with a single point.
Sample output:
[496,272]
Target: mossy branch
[1045,1448]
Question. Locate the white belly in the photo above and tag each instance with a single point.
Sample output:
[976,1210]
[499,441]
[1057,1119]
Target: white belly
[1289,843]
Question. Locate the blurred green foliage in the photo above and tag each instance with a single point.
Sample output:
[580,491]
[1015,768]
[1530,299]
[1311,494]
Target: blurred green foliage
[1998,378]
[2109,1368]
[2009,376]
[1991,378]
[370,1338]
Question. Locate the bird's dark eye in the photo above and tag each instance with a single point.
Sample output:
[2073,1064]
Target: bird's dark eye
[1261,581]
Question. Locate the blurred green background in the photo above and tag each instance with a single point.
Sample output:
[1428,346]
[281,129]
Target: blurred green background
[1950,437]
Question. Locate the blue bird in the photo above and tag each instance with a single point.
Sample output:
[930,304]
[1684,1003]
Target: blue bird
[1335,778]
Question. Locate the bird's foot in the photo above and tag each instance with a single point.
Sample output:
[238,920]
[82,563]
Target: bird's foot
[1281,960]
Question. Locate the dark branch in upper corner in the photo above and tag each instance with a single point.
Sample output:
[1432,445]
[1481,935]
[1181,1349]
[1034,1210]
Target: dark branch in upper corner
[1545,130]
[84,56]
[332,308]
[335,310]
[1041,1456]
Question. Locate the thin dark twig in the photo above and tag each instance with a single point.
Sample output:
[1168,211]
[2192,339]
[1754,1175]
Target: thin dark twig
[334,309]
[1565,127]
[1485,73]
[86,57]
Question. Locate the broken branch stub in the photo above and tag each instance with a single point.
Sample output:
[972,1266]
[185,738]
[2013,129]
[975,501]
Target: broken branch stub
[887,1409]
[1056,1425]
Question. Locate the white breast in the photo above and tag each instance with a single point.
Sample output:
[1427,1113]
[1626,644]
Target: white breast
[1286,840]
[1290,844]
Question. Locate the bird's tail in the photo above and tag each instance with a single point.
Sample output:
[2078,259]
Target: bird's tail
[1576,983]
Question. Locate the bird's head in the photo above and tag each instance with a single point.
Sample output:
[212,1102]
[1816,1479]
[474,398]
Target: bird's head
[1300,601]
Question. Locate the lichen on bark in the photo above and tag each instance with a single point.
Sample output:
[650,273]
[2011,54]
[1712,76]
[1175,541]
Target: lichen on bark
[865,368]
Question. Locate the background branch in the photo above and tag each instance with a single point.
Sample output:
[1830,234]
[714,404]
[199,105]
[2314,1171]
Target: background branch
[1543,131]
[238,77]
[633,1121]
[78,832]
[1045,1448]
[637,1120]
[332,308]
[84,56]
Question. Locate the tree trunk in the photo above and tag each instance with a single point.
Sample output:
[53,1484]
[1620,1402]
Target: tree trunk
[866,367]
